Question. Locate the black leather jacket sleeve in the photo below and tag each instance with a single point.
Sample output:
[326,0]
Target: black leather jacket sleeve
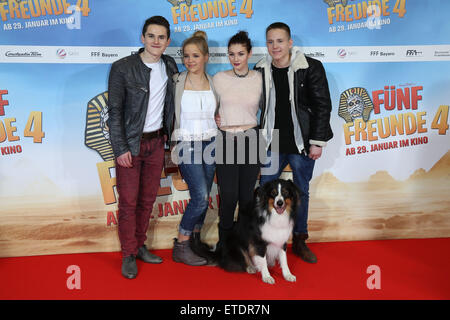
[116,100]
[320,102]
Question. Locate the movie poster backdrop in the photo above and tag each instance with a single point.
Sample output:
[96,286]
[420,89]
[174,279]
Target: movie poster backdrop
[384,175]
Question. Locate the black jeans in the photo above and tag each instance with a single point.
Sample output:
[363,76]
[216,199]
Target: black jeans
[236,181]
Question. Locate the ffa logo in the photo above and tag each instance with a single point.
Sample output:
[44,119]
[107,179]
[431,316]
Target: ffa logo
[355,103]
[96,134]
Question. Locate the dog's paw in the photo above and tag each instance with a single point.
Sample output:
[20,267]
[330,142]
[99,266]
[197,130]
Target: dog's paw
[268,279]
[251,269]
[290,277]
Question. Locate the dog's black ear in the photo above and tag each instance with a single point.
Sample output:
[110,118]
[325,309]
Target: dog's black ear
[255,193]
[260,196]
[256,196]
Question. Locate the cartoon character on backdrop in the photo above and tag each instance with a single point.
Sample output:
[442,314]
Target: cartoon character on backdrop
[355,103]
[177,2]
[96,135]
[333,3]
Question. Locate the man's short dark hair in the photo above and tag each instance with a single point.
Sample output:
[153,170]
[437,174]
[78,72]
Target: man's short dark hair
[279,25]
[159,20]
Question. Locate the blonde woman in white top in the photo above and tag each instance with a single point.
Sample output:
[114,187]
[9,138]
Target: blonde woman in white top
[194,131]
[239,91]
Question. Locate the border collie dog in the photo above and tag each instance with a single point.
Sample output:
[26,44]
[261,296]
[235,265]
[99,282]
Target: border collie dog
[259,237]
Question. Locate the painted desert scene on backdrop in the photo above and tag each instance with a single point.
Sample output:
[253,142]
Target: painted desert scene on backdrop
[379,208]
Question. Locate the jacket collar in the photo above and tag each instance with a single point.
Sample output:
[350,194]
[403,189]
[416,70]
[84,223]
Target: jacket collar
[138,57]
[298,60]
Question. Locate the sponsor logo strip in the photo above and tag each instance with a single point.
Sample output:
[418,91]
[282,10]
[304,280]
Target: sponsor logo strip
[107,55]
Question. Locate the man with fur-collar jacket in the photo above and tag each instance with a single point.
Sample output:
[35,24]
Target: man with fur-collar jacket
[296,102]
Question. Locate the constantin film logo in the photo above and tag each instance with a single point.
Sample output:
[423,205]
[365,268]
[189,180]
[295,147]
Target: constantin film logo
[316,54]
[28,54]
[355,103]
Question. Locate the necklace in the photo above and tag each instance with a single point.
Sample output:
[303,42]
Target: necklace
[241,75]
[192,84]
[195,88]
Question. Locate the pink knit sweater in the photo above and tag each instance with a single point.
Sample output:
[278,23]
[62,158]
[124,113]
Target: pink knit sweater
[239,99]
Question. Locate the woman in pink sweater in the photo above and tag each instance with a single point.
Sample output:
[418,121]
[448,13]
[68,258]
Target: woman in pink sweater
[237,165]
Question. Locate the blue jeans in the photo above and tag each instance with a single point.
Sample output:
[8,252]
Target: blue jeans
[199,177]
[302,169]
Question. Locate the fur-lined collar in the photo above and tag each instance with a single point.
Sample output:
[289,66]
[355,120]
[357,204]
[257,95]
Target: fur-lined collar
[298,60]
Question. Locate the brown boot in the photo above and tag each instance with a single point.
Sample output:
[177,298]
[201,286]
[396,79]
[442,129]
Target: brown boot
[300,249]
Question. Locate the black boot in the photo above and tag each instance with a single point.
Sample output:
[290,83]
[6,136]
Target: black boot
[200,248]
[300,248]
[197,242]
[146,256]
[129,267]
[223,235]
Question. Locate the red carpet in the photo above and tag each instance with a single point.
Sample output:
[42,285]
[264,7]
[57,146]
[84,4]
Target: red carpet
[410,269]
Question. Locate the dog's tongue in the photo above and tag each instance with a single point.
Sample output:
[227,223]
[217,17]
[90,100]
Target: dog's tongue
[280,210]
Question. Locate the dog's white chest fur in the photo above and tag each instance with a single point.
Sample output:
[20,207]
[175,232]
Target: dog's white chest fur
[276,231]
[277,228]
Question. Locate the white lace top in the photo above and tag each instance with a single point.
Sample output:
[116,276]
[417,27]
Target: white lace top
[197,116]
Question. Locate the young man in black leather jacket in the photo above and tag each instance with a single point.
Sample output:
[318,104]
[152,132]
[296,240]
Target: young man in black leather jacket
[140,117]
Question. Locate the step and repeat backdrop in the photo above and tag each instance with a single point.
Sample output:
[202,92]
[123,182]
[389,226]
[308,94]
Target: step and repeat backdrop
[384,175]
